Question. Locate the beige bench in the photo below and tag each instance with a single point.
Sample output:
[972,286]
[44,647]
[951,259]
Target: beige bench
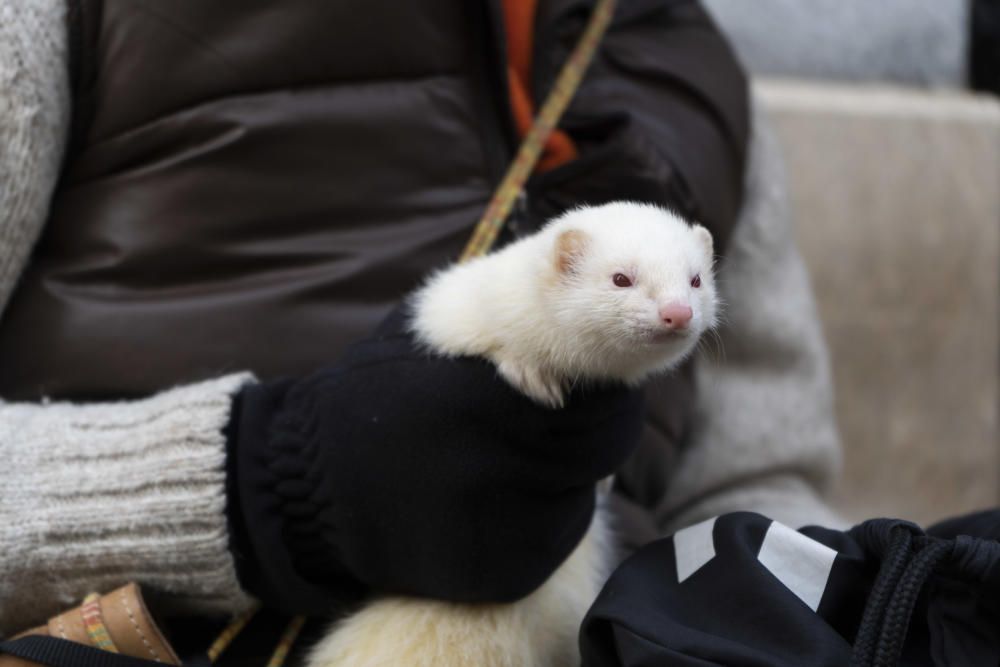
[896,197]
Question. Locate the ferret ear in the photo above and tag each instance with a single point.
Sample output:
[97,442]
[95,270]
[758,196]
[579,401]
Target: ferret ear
[570,248]
[705,238]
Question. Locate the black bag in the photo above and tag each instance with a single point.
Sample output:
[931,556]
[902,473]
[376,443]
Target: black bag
[744,590]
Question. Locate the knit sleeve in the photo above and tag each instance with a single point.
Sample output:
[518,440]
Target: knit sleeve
[764,437]
[98,495]
[94,495]
[34,122]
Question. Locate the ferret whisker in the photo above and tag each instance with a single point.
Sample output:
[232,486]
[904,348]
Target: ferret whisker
[714,338]
[702,349]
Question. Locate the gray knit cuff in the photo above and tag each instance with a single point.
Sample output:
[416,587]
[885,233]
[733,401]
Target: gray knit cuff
[786,498]
[93,496]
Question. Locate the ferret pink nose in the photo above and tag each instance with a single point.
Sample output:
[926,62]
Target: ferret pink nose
[676,315]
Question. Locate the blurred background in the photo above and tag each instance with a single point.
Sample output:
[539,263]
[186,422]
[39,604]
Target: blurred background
[890,128]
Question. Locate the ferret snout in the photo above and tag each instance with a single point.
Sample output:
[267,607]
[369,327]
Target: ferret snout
[676,316]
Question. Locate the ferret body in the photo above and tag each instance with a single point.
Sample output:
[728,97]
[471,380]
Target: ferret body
[616,292]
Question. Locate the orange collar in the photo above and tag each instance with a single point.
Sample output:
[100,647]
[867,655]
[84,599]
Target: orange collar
[519,22]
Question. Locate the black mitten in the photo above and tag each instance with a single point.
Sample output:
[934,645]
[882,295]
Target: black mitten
[405,472]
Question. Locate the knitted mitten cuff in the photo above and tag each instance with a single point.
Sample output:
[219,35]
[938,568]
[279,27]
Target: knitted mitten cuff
[96,495]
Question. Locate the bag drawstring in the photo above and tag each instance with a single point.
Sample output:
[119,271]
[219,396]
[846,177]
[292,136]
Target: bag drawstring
[893,565]
[907,564]
[897,616]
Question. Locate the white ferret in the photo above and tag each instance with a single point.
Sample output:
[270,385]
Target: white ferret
[616,292]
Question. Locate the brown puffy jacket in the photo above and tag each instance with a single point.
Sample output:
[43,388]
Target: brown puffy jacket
[253,186]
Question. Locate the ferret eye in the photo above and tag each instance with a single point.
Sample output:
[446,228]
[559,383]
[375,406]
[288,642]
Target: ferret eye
[621,280]
[696,281]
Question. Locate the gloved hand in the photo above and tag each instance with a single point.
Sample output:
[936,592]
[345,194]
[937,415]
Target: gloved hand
[404,472]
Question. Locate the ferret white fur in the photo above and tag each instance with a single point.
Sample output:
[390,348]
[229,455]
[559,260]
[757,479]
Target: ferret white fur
[549,310]
[546,310]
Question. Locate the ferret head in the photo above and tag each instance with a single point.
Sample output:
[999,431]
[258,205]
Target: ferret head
[631,288]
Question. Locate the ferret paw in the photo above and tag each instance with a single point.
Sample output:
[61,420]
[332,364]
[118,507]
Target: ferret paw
[532,382]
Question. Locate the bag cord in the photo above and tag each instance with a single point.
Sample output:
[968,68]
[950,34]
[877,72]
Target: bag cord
[897,616]
[893,565]
[907,564]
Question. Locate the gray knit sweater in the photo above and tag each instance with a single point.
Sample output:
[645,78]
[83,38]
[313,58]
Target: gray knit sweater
[99,494]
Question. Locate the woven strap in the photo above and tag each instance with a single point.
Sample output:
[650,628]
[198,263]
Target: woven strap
[489,226]
[55,652]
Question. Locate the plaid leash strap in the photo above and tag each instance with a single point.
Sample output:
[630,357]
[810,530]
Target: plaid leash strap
[489,226]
